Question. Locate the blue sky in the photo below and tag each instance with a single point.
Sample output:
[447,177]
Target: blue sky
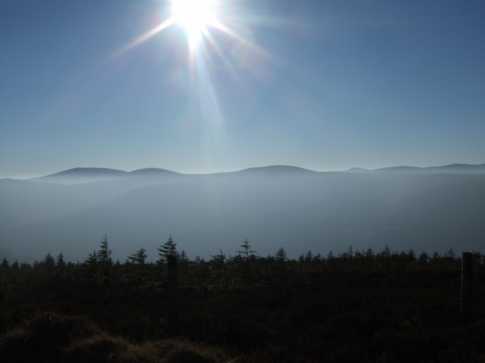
[367,83]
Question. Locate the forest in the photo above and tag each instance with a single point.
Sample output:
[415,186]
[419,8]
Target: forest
[357,306]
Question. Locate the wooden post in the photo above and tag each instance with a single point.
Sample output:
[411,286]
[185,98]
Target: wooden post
[468,277]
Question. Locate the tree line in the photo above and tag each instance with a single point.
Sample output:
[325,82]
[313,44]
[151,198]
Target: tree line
[167,251]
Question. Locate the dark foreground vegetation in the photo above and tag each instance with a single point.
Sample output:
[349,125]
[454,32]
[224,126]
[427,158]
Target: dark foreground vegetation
[360,306]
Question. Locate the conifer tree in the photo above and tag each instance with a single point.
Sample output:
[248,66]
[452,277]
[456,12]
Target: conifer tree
[182,257]
[411,255]
[168,256]
[309,257]
[5,264]
[104,253]
[246,251]
[139,257]
[386,252]
[92,259]
[219,259]
[167,251]
[49,262]
[423,258]
[281,255]
[60,263]
[436,257]
[450,254]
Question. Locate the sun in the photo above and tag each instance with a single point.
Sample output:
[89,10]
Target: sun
[194,17]
[200,21]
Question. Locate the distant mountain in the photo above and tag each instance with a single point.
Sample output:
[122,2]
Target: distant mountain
[401,169]
[460,168]
[83,172]
[358,170]
[87,174]
[82,175]
[447,169]
[276,170]
[152,172]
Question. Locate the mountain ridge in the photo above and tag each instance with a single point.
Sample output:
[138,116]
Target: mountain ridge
[87,174]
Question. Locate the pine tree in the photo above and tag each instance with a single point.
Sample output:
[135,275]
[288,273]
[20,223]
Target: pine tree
[450,254]
[219,259]
[423,258]
[246,251]
[436,257]
[60,263]
[386,252]
[49,262]
[168,256]
[281,255]
[309,257]
[167,251]
[350,252]
[411,255]
[5,264]
[182,257]
[92,259]
[139,257]
[104,253]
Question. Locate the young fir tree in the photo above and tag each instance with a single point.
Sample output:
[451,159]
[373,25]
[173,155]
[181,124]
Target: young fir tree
[139,257]
[182,258]
[168,256]
[49,262]
[167,251]
[60,263]
[386,252]
[246,251]
[219,259]
[281,255]
[309,257]
[450,254]
[5,264]
[92,259]
[104,253]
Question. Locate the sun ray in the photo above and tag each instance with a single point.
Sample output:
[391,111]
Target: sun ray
[226,30]
[146,36]
[227,64]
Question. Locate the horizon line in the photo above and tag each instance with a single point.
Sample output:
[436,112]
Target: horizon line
[43,175]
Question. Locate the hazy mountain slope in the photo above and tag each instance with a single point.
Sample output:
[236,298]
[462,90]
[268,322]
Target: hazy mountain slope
[443,169]
[89,174]
[83,175]
[315,211]
[153,172]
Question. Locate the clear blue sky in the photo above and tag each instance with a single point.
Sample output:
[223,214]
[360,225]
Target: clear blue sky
[367,83]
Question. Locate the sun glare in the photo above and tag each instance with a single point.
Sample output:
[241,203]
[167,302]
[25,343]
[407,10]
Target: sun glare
[194,17]
[200,20]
